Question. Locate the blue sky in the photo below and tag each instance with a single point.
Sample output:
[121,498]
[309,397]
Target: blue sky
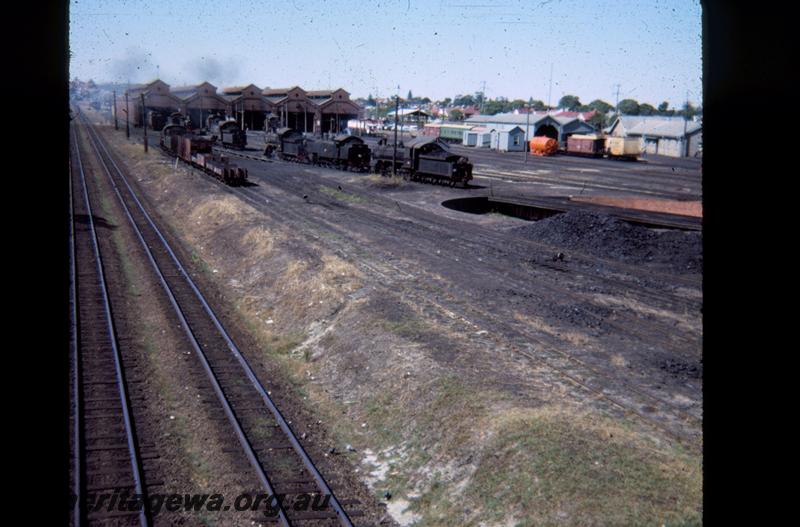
[652,49]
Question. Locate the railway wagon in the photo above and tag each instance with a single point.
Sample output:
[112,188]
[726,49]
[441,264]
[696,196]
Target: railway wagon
[453,133]
[543,146]
[423,159]
[197,151]
[622,148]
[232,135]
[287,143]
[343,151]
[586,145]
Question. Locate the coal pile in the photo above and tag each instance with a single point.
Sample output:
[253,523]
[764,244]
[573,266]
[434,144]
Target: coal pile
[609,237]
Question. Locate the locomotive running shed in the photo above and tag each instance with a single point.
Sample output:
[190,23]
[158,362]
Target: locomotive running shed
[157,97]
[318,111]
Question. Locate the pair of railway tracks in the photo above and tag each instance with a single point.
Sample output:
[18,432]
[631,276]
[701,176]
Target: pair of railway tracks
[280,463]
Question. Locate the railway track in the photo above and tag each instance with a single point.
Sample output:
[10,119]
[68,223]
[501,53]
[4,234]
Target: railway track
[282,465]
[481,238]
[521,246]
[576,371]
[105,449]
[639,401]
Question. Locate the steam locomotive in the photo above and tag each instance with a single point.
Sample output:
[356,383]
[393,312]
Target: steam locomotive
[345,152]
[425,159]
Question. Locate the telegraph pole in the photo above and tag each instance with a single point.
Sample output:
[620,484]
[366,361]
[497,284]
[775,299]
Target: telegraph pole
[144,122]
[396,117]
[116,124]
[685,119]
[127,117]
[527,127]
[616,107]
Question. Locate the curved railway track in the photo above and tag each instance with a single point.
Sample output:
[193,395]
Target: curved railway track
[106,454]
[282,465]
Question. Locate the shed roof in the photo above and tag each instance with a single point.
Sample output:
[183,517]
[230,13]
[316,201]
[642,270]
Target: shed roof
[520,119]
[656,125]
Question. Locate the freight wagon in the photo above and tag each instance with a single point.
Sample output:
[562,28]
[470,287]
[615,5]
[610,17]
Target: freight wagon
[586,145]
[623,147]
[197,151]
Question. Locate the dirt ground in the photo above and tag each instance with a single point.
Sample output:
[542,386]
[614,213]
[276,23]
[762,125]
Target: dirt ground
[476,379]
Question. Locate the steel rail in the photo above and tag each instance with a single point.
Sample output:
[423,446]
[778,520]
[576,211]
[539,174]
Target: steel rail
[77,459]
[246,446]
[120,376]
[298,448]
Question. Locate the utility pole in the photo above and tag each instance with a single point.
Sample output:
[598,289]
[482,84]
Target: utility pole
[550,89]
[616,107]
[127,117]
[144,123]
[396,118]
[527,127]
[116,124]
[686,118]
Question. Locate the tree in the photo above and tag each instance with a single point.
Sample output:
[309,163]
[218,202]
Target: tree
[646,109]
[538,105]
[464,100]
[570,102]
[410,95]
[629,107]
[598,120]
[456,115]
[600,106]
[445,102]
[663,107]
[688,110]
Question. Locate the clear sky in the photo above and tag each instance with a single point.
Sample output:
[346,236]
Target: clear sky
[438,48]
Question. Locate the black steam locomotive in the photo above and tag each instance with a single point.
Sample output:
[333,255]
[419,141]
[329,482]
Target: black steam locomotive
[345,152]
[425,159]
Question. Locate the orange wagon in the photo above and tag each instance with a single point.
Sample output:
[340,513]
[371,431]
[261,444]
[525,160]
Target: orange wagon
[543,146]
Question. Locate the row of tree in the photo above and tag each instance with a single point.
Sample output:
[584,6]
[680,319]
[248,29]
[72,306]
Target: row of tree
[628,107]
